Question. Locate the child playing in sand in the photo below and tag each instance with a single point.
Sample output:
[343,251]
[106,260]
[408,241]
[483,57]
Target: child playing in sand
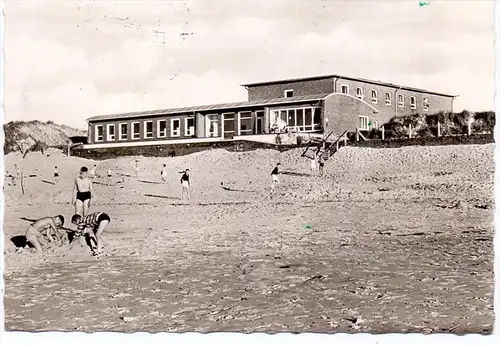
[274,176]
[56,175]
[163,173]
[82,193]
[94,224]
[40,231]
[185,184]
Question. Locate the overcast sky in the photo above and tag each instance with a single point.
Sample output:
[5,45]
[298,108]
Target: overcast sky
[69,60]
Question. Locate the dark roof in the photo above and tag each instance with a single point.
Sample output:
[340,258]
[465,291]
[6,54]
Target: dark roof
[218,107]
[348,78]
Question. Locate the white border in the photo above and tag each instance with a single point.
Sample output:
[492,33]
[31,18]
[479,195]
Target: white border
[284,93]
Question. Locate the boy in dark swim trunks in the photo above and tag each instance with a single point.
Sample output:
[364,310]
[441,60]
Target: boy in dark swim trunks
[94,224]
[40,231]
[56,175]
[82,193]
[185,184]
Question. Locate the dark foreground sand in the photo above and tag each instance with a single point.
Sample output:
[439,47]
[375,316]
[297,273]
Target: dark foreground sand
[390,240]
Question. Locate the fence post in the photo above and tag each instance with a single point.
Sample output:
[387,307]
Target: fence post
[409,130]
[357,135]
[383,133]
[469,123]
[345,139]
[69,147]
[439,128]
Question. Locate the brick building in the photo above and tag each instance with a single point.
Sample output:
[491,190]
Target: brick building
[310,106]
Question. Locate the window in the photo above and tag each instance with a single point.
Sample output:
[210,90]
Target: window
[136,130]
[359,93]
[388,100]
[175,127]
[401,101]
[110,132]
[123,131]
[148,129]
[305,119]
[374,96]
[345,89]
[289,93]
[375,124]
[413,102]
[212,125]
[99,133]
[189,126]
[229,125]
[245,123]
[161,129]
[363,123]
[426,104]
[259,118]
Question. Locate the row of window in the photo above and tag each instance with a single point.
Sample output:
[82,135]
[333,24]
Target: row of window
[304,119]
[388,98]
[123,130]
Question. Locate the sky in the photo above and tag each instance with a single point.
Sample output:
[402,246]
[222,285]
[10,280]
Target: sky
[69,60]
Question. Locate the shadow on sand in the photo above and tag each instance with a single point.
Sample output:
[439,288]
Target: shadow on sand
[48,182]
[295,174]
[150,182]
[158,196]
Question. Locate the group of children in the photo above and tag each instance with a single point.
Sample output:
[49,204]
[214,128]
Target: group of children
[321,163]
[43,231]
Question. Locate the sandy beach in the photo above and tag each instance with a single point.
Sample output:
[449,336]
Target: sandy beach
[388,240]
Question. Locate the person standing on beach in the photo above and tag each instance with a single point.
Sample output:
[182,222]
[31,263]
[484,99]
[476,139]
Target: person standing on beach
[56,175]
[82,193]
[109,175]
[185,184]
[163,173]
[321,162]
[136,168]
[313,165]
[93,172]
[274,176]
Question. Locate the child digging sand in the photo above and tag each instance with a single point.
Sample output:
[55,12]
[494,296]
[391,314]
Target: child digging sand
[97,224]
[40,231]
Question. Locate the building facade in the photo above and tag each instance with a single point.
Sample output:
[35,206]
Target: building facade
[310,106]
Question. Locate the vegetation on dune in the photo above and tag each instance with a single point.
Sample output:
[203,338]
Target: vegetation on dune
[426,125]
[35,135]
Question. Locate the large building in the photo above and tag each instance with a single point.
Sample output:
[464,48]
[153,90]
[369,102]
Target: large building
[311,106]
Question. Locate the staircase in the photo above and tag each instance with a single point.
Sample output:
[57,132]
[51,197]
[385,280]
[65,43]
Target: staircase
[323,148]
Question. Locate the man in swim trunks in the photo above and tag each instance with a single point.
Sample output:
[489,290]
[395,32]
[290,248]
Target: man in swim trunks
[185,184]
[56,175]
[94,224]
[93,172]
[321,162]
[40,231]
[82,193]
